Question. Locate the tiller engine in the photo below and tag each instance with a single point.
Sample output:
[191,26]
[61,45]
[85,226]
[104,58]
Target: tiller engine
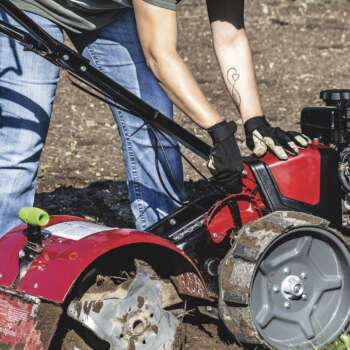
[272,263]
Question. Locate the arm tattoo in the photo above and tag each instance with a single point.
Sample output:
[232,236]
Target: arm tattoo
[232,78]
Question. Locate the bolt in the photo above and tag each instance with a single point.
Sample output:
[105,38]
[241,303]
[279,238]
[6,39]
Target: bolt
[304,296]
[36,285]
[172,222]
[209,308]
[297,288]
[83,68]
[286,270]
[303,275]
[276,289]
[287,305]
[215,235]
[66,57]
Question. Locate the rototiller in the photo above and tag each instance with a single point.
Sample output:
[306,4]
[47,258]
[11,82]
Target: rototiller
[272,263]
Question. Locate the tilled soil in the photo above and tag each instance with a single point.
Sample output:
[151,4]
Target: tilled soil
[299,49]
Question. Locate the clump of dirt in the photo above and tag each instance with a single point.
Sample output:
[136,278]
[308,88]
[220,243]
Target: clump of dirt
[48,317]
[206,335]
[300,47]
[72,341]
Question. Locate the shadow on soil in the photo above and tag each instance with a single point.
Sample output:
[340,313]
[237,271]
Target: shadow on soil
[106,202]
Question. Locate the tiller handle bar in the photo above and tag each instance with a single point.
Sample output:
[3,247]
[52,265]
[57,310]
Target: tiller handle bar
[40,42]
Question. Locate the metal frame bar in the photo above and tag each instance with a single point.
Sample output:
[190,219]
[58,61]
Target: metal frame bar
[40,42]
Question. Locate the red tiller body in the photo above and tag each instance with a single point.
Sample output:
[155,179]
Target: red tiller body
[307,182]
[54,271]
[296,184]
[299,178]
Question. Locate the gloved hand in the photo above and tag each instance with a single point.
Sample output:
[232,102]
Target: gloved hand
[225,162]
[261,137]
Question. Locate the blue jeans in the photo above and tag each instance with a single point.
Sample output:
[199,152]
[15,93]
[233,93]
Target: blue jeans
[27,90]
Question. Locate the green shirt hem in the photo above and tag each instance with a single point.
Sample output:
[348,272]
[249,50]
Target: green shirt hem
[77,20]
[162,4]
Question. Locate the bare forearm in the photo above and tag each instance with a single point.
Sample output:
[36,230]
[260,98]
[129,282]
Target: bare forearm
[157,31]
[182,88]
[237,67]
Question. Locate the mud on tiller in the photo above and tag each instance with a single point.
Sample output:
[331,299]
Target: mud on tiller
[271,263]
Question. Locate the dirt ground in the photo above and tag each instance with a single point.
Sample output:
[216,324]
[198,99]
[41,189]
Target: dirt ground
[299,48]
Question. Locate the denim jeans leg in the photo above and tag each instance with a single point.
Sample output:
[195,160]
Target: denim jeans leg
[27,89]
[116,51]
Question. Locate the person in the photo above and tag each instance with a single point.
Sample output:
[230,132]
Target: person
[135,44]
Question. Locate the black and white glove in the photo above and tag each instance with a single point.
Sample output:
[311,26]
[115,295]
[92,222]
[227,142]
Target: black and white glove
[225,161]
[261,137]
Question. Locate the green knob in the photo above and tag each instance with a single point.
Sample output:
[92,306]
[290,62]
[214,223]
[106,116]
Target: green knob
[34,216]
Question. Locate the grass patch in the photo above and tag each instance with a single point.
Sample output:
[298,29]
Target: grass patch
[343,343]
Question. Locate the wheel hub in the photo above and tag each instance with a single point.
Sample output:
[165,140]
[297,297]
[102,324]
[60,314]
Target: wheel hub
[136,324]
[292,287]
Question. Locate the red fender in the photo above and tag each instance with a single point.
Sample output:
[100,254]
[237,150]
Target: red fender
[55,270]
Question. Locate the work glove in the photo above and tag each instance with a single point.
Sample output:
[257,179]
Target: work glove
[261,137]
[225,161]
